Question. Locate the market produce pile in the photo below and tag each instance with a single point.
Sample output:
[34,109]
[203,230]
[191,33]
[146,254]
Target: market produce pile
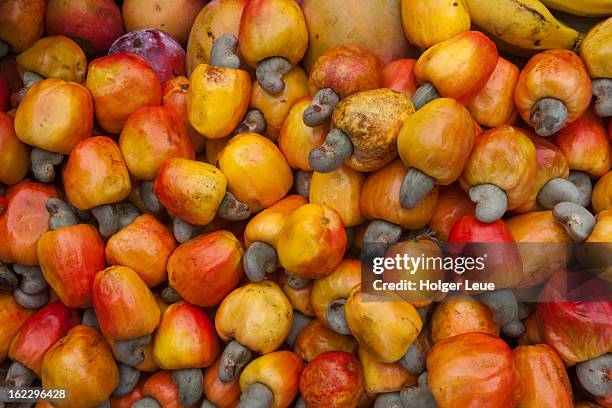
[200,199]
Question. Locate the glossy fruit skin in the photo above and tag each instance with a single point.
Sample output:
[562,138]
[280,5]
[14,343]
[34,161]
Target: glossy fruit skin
[415,248]
[150,136]
[160,50]
[281,22]
[217,99]
[296,140]
[54,115]
[189,189]
[54,57]
[399,76]
[505,268]
[70,257]
[174,96]
[595,50]
[452,18]
[275,108]
[13,317]
[494,104]
[506,157]
[386,329]
[333,379]
[279,371]
[223,395]
[544,378]
[96,173]
[551,163]
[213,260]
[459,314]
[94,23]
[172,16]
[120,84]
[23,220]
[554,72]
[473,370]
[312,242]
[341,190]
[40,332]
[257,172]
[218,17]
[299,298]
[81,363]
[144,246]
[384,185]
[267,225]
[586,145]
[577,331]
[347,69]
[124,305]
[185,338]
[336,285]
[372,119]
[453,203]
[437,139]
[384,36]
[602,193]
[21,22]
[15,159]
[458,67]
[383,377]
[258,315]
[539,261]
[316,338]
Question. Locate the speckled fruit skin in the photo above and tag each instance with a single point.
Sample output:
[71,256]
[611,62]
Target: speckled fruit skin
[334,379]
[81,363]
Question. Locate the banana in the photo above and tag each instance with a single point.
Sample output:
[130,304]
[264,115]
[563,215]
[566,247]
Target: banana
[587,8]
[523,23]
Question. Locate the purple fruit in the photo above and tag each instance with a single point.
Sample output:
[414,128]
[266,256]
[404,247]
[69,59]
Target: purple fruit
[163,53]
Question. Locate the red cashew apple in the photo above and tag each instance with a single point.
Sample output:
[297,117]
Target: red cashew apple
[124,305]
[333,379]
[93,24]
[23,220]
[473,370]
[40,332]
[185,338]
[576,330]
[214,261]
[70,257]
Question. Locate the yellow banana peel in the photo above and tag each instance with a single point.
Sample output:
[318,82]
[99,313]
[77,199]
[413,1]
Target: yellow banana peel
[523,23]
[587,8]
